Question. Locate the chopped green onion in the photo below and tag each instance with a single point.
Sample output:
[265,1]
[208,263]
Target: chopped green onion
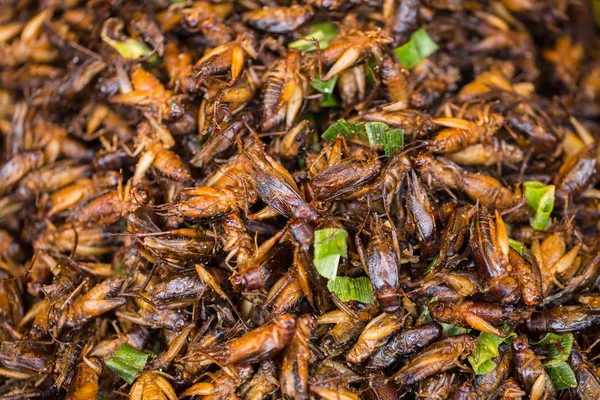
[330,245]
[329,100]
[344,128]
[394,141]
[408,54]
[346,289]
[481,359]
[517,246]
[377,134]
[560,346]
[425,45]
[540,198]
[419,46]
[323,33]
[561,373]
[127,362]
[324,87]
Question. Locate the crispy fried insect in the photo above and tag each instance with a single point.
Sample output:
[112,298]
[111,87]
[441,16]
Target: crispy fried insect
[84,384]
[460,133]
[222,385]
[588,382]
[563,319]
[17,167]
[152,385]
[488,384]
[264,267]
[438,357]
[422,215]
[489,153]
[480,316]
[489,244]
[279,19]
[263,383]
[111,207]
[348,50]
[259,344]
[531,373]
[375,334]
[346,329]
[406,343]
[283,92]
[578,173]
[225,59]
[296,360]
[393,77]
[344,178]
[207,203]
[51,177]
[382,263]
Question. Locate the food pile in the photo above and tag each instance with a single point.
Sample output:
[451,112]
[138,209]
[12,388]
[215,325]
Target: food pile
[326,199]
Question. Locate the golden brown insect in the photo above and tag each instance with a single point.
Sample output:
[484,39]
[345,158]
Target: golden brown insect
[332,381]
[137,338]
[51,177]
[530,370]
[263,383]
[554,260]
[296,360]
[80,191]
[82,240]
[344,178]
[563,319]
[460,133]
[375,334]
[276,187]
[489,153]
[423,216]
[438,357]
[95,302]
[348,50]
[283,92]
[285,293]
[408,342]
[84,384]
[112,206]
[588,382]
[393,77]
[578,173]
[222,385]
[225,59]
[259,270]
[32,44]
[207,203]
[415,123]
[166,162]
[480,316]
[489,244]
[346,329]
[221,140]
[17,167]
[259,344]
[381,261]
[152,385]
[279,19]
